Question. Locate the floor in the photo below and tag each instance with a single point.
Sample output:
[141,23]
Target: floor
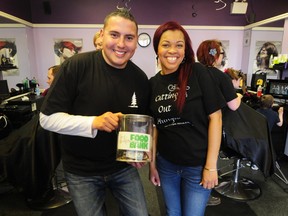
[274,192]
[272,202]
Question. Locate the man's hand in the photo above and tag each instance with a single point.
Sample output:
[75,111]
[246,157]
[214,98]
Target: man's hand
[107,121]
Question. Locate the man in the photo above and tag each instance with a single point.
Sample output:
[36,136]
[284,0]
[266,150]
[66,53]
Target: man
[85,103]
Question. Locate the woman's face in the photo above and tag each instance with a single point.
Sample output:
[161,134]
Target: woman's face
[263,53]
[218,60]
[171,50]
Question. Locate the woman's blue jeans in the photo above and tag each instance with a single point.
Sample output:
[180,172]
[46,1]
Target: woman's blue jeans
[180,185]
[88,193]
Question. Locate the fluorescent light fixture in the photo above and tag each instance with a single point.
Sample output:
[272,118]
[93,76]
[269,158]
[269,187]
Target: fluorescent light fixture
[239,8]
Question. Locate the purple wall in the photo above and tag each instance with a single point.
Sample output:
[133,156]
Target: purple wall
[147,12]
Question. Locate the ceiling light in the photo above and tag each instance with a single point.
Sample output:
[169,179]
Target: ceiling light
[239,7]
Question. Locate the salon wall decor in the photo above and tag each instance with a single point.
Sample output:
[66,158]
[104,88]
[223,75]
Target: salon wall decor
[8,57]
[65,48]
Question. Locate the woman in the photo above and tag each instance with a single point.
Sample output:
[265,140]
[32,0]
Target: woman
[97,40]
[211,54]
[186,106]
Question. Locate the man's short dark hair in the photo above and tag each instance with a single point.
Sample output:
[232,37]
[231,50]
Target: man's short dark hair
[121,12]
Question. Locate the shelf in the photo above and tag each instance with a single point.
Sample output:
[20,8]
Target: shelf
[8,67]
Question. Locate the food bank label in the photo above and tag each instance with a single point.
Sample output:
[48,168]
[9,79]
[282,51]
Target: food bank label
[133,141]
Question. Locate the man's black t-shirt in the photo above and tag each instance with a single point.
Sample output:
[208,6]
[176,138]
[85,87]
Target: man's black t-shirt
[86,85]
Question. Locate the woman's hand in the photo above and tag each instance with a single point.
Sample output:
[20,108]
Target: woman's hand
[154,176]
[209,178]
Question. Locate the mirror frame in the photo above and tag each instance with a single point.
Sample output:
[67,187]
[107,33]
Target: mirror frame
[267,21]
[18,22]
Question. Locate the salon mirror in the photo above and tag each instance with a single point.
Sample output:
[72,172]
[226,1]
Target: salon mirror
[256,34]
[8,64]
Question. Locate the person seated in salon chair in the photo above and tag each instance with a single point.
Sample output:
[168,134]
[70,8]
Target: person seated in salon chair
[52,71]
[238,79]
[273,117]
[235,76]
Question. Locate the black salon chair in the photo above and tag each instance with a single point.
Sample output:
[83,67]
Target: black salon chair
[47,193]
[31,155]
[246,137]
[5,130]
[231,183]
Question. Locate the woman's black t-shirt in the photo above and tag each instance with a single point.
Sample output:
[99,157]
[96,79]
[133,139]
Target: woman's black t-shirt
[183,138]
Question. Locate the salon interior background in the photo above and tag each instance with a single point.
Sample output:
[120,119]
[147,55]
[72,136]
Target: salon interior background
[44,21]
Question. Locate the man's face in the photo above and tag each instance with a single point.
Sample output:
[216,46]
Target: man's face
[119,41]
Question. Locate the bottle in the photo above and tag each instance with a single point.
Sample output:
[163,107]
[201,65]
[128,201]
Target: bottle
[27,83]
[34,81]
[259,91]
[24,84]
[37,90]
